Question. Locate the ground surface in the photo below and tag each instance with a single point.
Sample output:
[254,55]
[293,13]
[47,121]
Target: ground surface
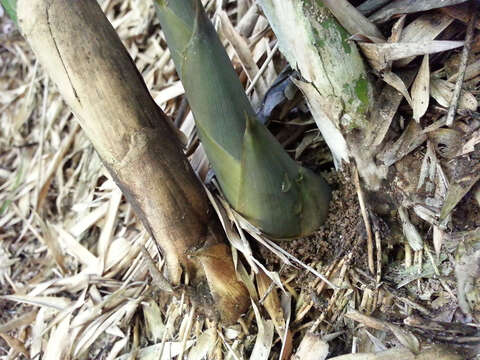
[57,203]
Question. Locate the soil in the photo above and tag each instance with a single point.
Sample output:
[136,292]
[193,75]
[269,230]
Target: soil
[343,228]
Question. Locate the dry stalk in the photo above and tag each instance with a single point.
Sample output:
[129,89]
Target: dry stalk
[452,110]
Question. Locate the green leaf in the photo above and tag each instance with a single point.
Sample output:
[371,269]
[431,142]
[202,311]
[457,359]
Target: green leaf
[10,7]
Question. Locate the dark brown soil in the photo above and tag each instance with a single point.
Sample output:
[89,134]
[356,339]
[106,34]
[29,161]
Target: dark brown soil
[342,230]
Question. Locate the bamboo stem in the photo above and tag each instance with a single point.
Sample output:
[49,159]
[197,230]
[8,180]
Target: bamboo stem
[333,79]
[258,178]
[84,56]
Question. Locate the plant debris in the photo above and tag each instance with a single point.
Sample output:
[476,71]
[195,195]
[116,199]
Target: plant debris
[395,276]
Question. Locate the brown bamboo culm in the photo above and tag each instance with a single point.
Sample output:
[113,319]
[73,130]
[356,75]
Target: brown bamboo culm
[84,56]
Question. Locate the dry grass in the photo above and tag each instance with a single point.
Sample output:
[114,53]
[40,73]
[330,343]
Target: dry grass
[75,283]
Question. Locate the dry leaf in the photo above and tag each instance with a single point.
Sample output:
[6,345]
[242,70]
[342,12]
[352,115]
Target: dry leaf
[457,190]
[353,20]
[15,344]
[60,342]
[424,28]
[408,7]
[397,83]
[411,138]
[441,90]
[263,343]
[381,55]
[153,320]
[421,90]
[312,347]
[410,231]
[205,344]
[448,142]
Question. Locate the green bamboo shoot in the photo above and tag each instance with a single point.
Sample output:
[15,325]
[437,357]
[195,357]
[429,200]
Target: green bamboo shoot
[10,7]
[257,176]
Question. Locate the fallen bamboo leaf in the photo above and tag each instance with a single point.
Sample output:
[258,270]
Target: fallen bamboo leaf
[330,132]
[467,48]
[411,138]
[117,347]
[105,239]
[96,328]
[397,83]
[246,23]
[15,344]
[312,347]
[472,71]
[77,250]
[397,29]
[457,190]
[380,55]
[467,272]
[369,6]
[153,320]
[25,319]
[424,28]
[410,231]
[430,353]
[60,343]
[386,107]
[405,337]
[470,144]
[438,240]
[168,350]
[263,343]
[441,90]
[408,7]
[204,345]
[352,20]
[448,142]
[242,50]
[421,90]
[460,12]
[272,304]
[58,303]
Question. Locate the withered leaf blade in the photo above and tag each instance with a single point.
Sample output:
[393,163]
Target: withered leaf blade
[472,71]
[424,28]
[385,109]
[380,55]
[457,191]
[441,90]
[263,343]
[421,90]
[411,138]
[410,231]
[467,271]
[408,7]
[470,144]
[369,6]
[312,347]
[351,19]
[397,30]
[448,142]
[396,82]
